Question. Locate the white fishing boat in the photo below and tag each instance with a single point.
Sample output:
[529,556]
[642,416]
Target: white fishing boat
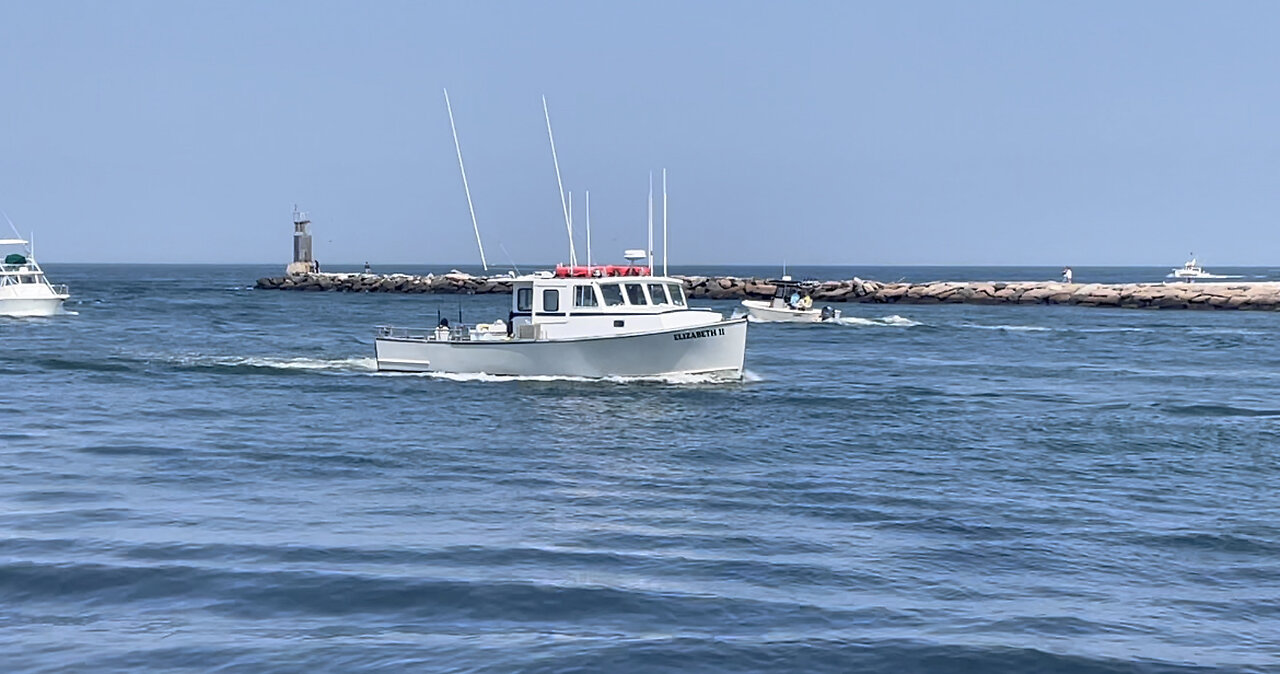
[1191,271]
[790,304]
[578,321]
[599,321]
[24,290]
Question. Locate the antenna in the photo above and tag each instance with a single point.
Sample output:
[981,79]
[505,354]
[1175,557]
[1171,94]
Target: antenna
[664,222]
[513,262]
[651,222]
[466,188]
[16,233]
[571,261]
[573,256]
[588,228]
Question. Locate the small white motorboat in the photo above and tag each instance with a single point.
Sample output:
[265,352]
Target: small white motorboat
[1191,271]
[789,304]
[24,290]
[596,321]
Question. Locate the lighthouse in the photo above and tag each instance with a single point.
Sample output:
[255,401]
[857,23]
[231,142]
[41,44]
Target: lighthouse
[303,261]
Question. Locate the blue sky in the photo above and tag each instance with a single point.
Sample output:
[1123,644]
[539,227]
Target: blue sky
[850,133]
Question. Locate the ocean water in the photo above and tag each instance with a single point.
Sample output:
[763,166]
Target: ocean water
[199,476]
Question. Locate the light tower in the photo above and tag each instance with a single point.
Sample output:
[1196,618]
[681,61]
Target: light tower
[303,262]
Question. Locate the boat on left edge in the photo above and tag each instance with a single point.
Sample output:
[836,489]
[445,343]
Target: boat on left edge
[24,289]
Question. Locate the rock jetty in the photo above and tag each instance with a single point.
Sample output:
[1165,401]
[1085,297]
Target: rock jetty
[1254,296]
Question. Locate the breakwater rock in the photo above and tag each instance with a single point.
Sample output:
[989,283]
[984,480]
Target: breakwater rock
[1256,296]
[454,282]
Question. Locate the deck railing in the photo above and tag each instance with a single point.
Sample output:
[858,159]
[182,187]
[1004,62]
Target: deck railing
[457,333]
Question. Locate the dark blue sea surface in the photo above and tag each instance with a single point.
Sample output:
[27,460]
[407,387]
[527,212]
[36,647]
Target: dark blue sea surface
[199,476]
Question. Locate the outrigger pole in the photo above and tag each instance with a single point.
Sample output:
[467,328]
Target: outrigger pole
[466,188]
[664,222]
[651,222]
[573,256]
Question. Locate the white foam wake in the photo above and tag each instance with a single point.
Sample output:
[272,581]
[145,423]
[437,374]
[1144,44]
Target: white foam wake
[1008,328]
[673,379]
[364,364]
[893,321]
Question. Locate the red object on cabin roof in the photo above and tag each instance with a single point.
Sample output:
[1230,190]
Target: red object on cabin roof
[600,271]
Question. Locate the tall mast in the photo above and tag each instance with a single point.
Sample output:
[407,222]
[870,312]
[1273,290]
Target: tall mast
[664,222]
[573,256]
[588,228]
[651,222]
[466,188]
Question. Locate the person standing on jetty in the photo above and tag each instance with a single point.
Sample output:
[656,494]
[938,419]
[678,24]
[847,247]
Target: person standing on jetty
[1066,274]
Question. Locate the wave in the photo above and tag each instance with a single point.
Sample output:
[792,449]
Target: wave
[260,593]
[1215,410]
[607,650]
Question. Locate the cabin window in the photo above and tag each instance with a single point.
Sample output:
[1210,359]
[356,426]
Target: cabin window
[524,299]
[584,296]
[677,293]
[611,293]
[551,300]
[635,293]
[656,294]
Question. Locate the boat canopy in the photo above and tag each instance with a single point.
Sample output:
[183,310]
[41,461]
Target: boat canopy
[15,258]
[600,271]
[784,289]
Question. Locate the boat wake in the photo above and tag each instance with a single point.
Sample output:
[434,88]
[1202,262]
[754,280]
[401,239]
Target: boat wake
[893,321]
[1008,328]
[364,364]
[671,379]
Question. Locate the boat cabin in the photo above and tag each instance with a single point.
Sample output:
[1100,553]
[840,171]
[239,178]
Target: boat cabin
[19,268]
[22,280]
[789,294]
[587,301]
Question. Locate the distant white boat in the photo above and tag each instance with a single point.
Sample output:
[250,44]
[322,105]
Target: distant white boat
[1191,271]
[789,304]
[24,290]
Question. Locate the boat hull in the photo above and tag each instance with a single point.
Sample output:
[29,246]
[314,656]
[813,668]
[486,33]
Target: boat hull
[762,311]
[714,348]
[25,307]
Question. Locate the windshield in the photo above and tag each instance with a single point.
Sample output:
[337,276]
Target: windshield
[677,293]
[635,293]
[611,293]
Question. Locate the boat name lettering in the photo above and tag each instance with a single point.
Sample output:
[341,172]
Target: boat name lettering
[698,334]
